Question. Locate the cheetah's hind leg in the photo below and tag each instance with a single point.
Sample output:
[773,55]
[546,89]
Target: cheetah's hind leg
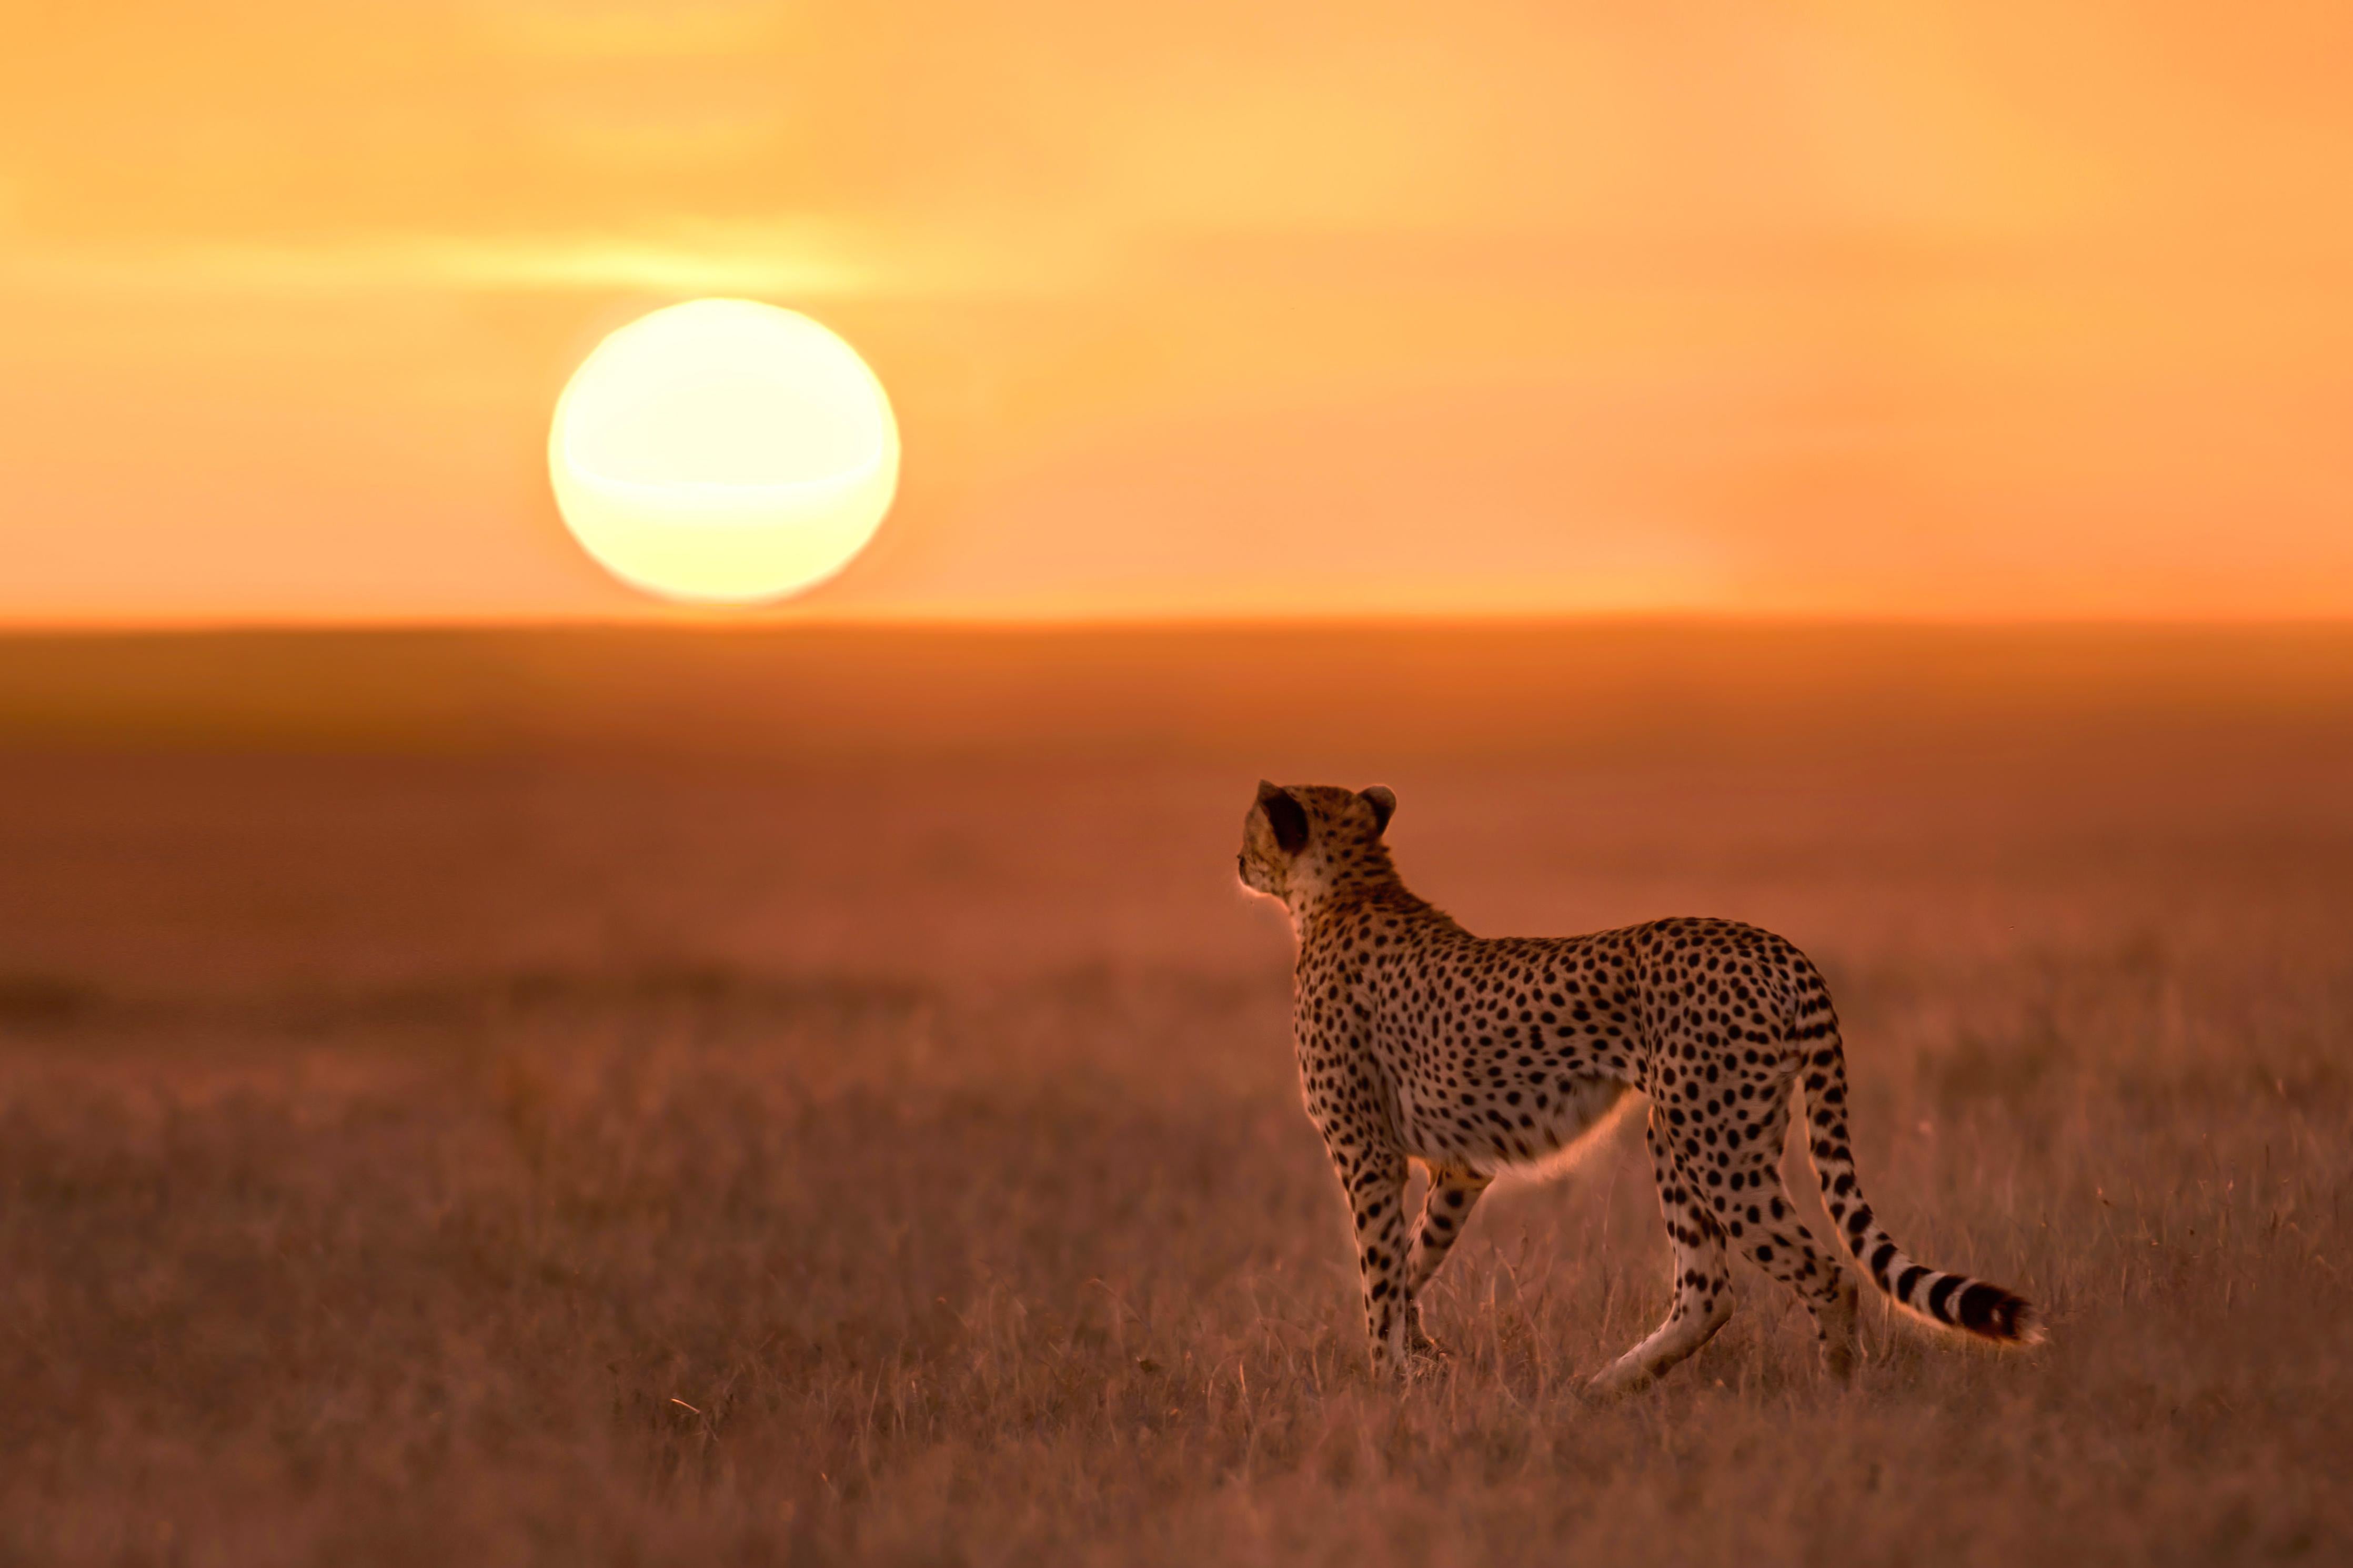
[1703,1300]
[1753,1204]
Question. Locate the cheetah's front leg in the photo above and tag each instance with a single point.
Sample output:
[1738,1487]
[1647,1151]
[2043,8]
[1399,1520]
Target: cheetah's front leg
[1445,1210]
[1374,1179]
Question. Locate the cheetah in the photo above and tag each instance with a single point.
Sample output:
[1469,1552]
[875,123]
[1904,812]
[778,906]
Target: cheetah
[1418,1041]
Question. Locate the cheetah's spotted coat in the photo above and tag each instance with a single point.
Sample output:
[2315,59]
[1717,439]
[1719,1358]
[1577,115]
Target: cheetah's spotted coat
[1418,1041]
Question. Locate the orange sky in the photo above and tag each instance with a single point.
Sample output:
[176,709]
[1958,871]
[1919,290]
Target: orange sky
[1948,307]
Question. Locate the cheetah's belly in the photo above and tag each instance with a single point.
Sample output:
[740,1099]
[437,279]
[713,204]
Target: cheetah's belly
[1492,1135]
[1586,1108]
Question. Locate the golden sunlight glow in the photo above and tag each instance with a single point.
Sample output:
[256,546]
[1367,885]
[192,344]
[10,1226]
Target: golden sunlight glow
[723,451]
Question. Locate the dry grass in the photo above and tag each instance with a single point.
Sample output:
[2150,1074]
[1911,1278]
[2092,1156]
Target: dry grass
[486,1160]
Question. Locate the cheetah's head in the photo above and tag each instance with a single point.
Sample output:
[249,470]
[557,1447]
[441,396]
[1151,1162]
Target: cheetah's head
[1304,840]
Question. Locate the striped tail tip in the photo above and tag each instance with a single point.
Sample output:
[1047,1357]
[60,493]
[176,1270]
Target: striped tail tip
[1985,1310]
[2009,1319]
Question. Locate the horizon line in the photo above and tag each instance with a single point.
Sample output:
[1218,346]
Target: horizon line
[719,624]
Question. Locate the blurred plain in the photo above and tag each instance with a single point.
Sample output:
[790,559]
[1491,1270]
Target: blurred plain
[817,1097]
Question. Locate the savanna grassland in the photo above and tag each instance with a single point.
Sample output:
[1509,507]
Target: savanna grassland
[819,1097]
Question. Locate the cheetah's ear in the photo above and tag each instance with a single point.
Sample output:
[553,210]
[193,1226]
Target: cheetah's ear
[1383,800]
[1285,815]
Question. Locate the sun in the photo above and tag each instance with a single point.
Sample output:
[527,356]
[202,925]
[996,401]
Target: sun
[723,451]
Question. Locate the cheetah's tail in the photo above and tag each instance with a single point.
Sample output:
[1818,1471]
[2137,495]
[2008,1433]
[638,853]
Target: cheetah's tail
[1972,1306]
